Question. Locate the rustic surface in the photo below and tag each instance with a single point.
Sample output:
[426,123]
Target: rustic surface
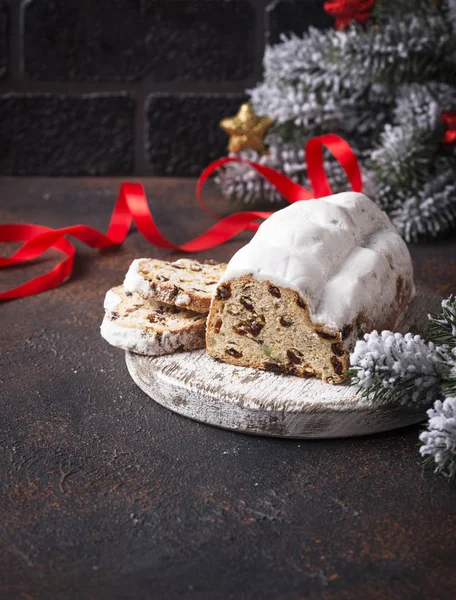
[106,495]
[248,400]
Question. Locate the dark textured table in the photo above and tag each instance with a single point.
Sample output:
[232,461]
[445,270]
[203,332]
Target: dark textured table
[106,495]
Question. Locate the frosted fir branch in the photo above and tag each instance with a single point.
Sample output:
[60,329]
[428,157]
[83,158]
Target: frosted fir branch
[295,57]
[315,81]
[305,83]
[442,326]
[413,48]
[439,440]
[449,385]
[422,104]
[384,10]
[402,162]
[451,11]
[299,104]
[406,152]
[428,211]
[343,63]
[442,331]
[414,175]
[313,112]
[395,368]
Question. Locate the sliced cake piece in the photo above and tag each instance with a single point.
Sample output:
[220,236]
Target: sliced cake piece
[150,327]
[184,283]
[315,276]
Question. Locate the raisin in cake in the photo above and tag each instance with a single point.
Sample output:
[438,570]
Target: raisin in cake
[185,282]
[315,276]
[150,327]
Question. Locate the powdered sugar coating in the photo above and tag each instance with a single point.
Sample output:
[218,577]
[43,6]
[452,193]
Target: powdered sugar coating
[111,300]
[150,327]
[341,253]
[147,342]
[185,282]
[134,282]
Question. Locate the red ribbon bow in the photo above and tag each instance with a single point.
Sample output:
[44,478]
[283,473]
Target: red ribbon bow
[131,206]
[346,11]
[449,120]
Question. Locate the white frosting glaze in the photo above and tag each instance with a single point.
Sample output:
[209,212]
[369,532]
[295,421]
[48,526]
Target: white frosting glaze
[134,282]
[341,253]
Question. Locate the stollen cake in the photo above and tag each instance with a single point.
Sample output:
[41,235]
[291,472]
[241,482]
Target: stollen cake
[315,276]
[150,327]
[184,282]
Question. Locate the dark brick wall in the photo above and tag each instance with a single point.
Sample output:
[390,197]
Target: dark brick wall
[294,16]
[3,39]
[128,40]
[183,133]
[50,134]
[121,87]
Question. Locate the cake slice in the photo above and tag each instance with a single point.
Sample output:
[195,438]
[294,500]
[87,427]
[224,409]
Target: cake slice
[150,327]
[184,283]
[315,276]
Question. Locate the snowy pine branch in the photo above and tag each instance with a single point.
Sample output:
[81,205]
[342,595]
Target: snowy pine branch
[406,50]
[396,368]
[442,331]
[308,84]
[414,175]
[384,10]
[405,156]
[429,211]
[442,326]
[449,385]
[404,369]
[439,440]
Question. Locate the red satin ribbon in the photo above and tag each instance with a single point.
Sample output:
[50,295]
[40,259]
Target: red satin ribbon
[131,206]
[449,120]
[346,11]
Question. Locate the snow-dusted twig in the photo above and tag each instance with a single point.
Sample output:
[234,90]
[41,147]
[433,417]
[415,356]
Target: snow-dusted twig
[439,439]
[391,367]
[442,327]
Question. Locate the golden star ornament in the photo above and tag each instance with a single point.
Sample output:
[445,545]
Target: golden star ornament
[246,130]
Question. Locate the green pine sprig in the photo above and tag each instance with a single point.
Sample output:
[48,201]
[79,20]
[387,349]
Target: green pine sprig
[403,392]
[442,326]
[449,385]
[401,369]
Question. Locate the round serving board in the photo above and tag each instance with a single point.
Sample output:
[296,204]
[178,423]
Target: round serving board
[258,402]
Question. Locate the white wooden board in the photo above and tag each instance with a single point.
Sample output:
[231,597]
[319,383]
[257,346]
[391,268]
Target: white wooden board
[251,401]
